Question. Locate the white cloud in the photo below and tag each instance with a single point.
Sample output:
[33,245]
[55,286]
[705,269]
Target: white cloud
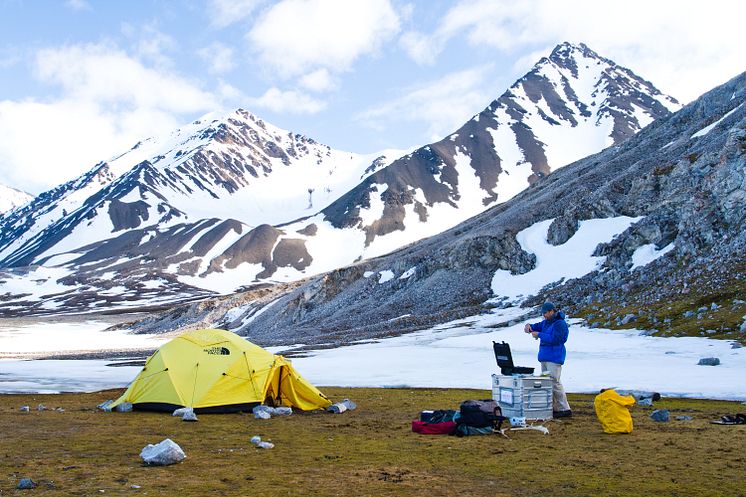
[150,44]
[297,36]
[78,4]
[223,13]
[219,57]
[9,57]
[684,47]
[106,74]
[443,104]
[107,101]
[318,81]
[290,101]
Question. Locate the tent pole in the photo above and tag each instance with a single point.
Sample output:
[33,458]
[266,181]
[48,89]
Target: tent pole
[194,387]
[278,401]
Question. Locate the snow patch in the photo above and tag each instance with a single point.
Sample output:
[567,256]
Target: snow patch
[409,272]
[707,129]
[572,259]
[646,254]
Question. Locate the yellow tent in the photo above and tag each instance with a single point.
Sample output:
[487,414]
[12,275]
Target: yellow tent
[218,371]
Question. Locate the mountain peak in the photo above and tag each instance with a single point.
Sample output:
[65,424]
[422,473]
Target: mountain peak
[567,49]
[10,198]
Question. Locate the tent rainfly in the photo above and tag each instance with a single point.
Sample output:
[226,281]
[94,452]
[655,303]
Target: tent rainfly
[218,371]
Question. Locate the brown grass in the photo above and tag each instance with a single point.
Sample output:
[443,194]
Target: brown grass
[367,452]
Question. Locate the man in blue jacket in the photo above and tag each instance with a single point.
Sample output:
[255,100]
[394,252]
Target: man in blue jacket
[553,334]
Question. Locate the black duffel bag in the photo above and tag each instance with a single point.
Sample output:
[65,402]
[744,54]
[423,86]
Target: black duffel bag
[480,414]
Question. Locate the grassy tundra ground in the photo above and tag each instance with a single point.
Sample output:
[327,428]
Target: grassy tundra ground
[367,452]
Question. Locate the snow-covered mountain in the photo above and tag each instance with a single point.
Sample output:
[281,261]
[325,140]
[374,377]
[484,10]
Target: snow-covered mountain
[570,105]
[229,202]
[649,234]
[10,198]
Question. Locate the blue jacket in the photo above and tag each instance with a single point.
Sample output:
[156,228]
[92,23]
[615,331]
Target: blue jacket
[553,335]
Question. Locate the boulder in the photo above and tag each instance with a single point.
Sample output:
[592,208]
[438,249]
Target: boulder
[660,415]
[26,484]
[709,361]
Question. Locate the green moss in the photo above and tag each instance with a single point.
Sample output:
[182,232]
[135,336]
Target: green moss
[367,452]
[668,315]
[663,170]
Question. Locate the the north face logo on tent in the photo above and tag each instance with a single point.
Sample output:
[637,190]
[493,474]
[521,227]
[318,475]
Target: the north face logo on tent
[217,351]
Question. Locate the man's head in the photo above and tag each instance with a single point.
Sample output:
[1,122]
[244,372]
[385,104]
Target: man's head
[548,310]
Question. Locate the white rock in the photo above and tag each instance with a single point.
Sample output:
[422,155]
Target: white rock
[162,454]
[189,416]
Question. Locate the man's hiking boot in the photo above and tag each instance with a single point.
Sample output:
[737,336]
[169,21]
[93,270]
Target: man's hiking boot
[562,414]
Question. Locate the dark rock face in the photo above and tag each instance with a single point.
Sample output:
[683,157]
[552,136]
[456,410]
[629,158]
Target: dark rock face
[127,215]
[259,246]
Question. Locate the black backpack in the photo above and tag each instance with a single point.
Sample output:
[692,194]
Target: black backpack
[480,414]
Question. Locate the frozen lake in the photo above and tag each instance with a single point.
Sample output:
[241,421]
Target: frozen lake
[458,354]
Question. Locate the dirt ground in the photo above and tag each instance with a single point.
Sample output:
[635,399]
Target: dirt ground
[370,451]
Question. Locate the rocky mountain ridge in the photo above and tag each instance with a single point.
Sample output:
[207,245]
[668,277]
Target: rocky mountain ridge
[680,184]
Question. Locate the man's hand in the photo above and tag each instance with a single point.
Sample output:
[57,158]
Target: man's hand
[535,334]
[527,328]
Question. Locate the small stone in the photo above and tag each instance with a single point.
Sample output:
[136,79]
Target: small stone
[26,484]
[25,409]
[41,407]
[628,319]
[702,309]
[262,412]
[660,415]
[714,307]
[189,416]
[684,418]
[265,445]
[689,314]
[135,486]
[256,439]
[709,361]
[736,345]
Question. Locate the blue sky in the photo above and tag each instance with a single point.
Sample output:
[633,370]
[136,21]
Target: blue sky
[83,80]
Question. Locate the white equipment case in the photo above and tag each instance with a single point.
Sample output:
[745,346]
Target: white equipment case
[523,396]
